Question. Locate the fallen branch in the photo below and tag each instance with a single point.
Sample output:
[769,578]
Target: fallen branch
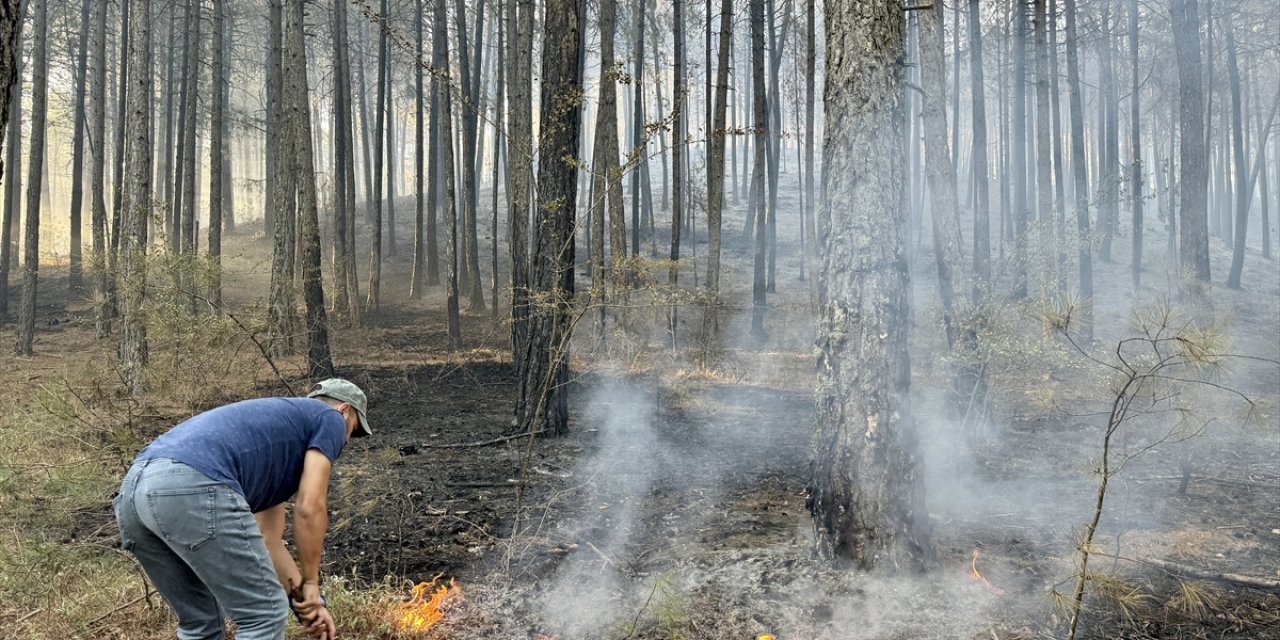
[482,443]
[512,484]
[1192,572]
[117,610]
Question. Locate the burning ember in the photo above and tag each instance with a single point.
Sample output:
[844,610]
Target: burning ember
[977,577]
[428,605]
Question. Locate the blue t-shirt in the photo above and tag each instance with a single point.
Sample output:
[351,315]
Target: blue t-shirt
[256,447]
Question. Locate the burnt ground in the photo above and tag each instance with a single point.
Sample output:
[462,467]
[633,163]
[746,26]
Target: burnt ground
[675,506]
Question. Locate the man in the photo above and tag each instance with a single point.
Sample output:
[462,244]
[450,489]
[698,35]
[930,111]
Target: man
[203,510]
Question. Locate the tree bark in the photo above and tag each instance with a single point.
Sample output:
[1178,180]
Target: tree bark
[865,495]
[1018,155]
[543,403]
[298,120]
[1242,171]
[1045,216]
[11,19]
[35,174]
[1079,168]
[117,208]
[982,204]
[1135,146]
[416,280]
[678,137]
[758,211]
[1193,177]
[76,274]
[97,169]
[282,321]
[375,233]
[447,162]
[216,142]
[716,168]
[137,206]
[520,150]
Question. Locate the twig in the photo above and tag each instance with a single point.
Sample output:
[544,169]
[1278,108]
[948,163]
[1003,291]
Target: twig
[635,624]
[1174,568]
[512,484]
[482,443]
[26,617]
[600,553]
[117,609]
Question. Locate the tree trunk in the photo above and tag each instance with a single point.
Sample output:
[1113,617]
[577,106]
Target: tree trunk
[117,196]
[1192,178]
[1018,155]
[677,156]
[758,210]
[1110,100]
[389,106]
[982,204]
[440,45]
[419,164]
[521,154]
[716,168]
[543,403]
[35,174]
[470,237]
[938,166]
[1044,151]
[865,495]
[11,19]
[173,237]
[1135,146]
[282,319]
[810,176]
[1242,170]
[375,232]
[187,242]
[1079,167]
[342,160]
[216,142]
[640,154]
[608,179]
[137,207]
[97,169]
[228,207]
[298,120]
[76,275]
[433,175]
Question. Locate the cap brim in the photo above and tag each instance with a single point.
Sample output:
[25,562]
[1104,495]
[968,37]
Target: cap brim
[363,430]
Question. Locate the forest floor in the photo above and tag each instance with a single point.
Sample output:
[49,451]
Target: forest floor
[675,506]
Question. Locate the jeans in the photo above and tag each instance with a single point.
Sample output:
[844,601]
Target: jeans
[200,545]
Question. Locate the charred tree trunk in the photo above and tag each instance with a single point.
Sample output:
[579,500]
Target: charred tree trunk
[1135,146]
[1018,155]
[1242,171]
[282,322]
[11,18]
[440,45]
[677,157]
[716,168]
[543,400]
[416,281]
[375,232]
[865,495]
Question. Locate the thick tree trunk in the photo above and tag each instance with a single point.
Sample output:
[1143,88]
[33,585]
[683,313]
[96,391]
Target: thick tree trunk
[608,178]
[35,175]
[543,403]
[282,321]
[866,495]
[137,207]
[298,119]
[1192,178]
[1079,167]
[342,157]
[11,18]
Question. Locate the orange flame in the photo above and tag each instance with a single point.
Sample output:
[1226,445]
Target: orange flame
[428,605]
[973,574]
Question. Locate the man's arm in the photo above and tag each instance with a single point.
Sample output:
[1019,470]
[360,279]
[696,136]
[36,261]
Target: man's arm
[271,523]
[311,514]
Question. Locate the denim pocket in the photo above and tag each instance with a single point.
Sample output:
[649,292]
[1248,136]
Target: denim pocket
[186,517]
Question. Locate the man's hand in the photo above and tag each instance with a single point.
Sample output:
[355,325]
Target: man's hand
[309,605]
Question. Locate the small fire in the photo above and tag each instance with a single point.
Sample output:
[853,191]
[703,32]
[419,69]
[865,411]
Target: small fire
[428,605]
[973,573]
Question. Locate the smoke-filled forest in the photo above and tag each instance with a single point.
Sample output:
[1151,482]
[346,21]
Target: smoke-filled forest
[795,319]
